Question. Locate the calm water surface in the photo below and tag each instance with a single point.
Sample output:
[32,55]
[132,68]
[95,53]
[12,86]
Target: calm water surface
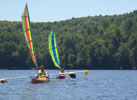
[98,85]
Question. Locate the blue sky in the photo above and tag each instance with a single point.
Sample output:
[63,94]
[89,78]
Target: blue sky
[57,10]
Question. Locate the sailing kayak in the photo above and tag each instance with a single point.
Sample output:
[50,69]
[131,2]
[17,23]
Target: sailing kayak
[61,76]
[42,79]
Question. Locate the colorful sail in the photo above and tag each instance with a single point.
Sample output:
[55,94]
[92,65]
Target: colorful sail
[53,49]
[28,34]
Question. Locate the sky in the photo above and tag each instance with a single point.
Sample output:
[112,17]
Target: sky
[58,10]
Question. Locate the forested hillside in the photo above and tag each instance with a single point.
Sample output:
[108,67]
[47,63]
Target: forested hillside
[99,42]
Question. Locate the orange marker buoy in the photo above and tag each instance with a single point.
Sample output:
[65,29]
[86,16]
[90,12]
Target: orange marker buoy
[86,72]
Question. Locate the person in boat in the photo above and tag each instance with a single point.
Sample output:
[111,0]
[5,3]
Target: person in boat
[42,71]
[62,71]
[61,75]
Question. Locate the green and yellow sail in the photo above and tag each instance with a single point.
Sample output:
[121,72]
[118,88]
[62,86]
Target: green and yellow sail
[28,34]
[53,49]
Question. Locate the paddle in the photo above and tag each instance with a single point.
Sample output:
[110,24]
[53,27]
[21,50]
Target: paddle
[3,80]
[73,75]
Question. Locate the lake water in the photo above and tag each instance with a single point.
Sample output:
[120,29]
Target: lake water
[98,85]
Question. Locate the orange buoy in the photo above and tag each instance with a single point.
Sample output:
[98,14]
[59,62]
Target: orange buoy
[86,72]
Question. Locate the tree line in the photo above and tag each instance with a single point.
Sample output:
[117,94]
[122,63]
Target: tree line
[93,42]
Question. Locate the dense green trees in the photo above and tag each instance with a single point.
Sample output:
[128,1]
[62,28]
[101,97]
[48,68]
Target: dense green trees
[100,42]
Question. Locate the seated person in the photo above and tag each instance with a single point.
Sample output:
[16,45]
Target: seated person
[62,71]
[42,71]
[61,74]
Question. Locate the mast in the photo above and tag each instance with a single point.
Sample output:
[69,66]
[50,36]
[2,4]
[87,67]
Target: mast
[58,53]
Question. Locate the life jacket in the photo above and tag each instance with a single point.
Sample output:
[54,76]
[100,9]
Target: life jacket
[42,72]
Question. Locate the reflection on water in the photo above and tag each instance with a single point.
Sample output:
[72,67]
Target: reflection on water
[30,92]
[29,89]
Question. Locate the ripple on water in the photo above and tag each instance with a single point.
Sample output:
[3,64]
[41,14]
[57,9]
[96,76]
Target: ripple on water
[98,85]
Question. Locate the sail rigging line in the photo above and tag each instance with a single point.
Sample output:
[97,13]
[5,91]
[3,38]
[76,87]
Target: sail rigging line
[27,30]
[52,48]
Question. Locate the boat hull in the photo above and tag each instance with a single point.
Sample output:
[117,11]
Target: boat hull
[62,76]
[42,79]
